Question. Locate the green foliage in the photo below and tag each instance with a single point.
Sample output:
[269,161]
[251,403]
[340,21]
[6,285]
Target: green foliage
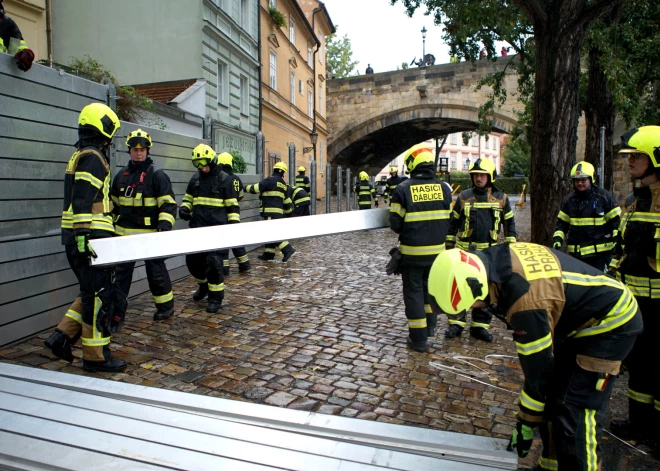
[510,185]
[239,165]
[338,57]
[130,104]
[277,17]
[459,176]
[517,157]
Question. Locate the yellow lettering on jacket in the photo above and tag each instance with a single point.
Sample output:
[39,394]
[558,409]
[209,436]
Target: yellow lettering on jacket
[429,192]
[537,261]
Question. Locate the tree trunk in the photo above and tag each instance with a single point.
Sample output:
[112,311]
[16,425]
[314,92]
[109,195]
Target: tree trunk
[558,43]
[599,111]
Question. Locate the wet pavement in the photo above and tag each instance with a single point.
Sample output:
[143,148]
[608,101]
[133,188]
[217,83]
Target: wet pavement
[324,332]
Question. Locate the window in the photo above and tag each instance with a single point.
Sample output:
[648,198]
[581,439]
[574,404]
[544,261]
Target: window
[319,105]
[488,144]
[494,144]
[300,86]
[453,162]
[320,54]
[310,55]
[452,139]
[475,140]
[292,85]
[222,83]
[272,3]
[321,156]
[466,165]
[245,15]
[273,70]
[310,103]
[292,31]
[245,94]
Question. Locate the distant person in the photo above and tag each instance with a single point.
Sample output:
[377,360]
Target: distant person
[369,69]
[10,34]
[504,51]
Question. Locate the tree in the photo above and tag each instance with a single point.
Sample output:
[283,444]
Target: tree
[516,156]
[548,38]
[338,57]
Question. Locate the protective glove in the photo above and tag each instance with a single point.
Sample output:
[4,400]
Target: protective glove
[83,246]
[164,226]
[24,59]
[521,439]
[184,213]
[393,267]
[120,305]
[376,201]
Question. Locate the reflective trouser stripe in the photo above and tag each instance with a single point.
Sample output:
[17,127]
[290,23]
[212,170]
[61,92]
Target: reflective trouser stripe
[216,288]
[269,250]
[76,316]
[282,245]
[242,259]
[479,324]
[590,439]
[225,262]
[417,323]
[657,405]
[457,319]
[427,309]
[200,282]
[640,397]
[548,463]
[164,298]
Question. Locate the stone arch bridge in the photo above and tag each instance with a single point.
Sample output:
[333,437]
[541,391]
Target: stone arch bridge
[374,118]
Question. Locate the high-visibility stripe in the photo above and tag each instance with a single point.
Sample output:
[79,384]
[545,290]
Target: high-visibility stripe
[427,309]
[166,217]
[91,179]
[456,322]
[418,216]
[480,324]
[139,202]
[563,216]
[100,342]
[200,282]
[82,218]
[477,245]
[656,404]
[164,298]
[231,202]
[549,463]
[613,213]
[125,231]
[277,194]
[417,323]
[587,221]
[396,208]
[234,217]
[640,216]
[535,346]
[76,316]
[165,199]
[302,200]
[624,310]
[559,234]
[530,403]
[590,280]
[215,202]
[269,250]
[272,210]
[421,250]
[590,439]
[640,397]
[591,249]
[242,258]
[216,288]
[508,215]
[510,239]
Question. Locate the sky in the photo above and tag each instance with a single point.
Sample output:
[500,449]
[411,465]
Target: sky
[383,35]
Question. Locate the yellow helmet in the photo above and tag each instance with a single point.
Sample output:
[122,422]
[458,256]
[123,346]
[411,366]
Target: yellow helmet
[226,158]
[394,170]
[139,139]
[646,140]
[202,155]
[417,155]
[302,169]
[281,166]
[100,117]
[364,176]
[482,165]
[457,280]
[583,170]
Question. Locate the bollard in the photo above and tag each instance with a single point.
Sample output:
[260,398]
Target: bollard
[601,170]
[348,189]
[259,164]
[328,192]
[340,188]
[292,164]
[312,185]
[355,195]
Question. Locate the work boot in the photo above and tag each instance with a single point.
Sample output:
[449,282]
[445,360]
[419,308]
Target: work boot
[418,346]
[214,306]
[110,365]
[480,333]
[202,291]
[60,345]
[431,332]
[266,256]
[243,267]
[453,331]
[288,254]
[225,271]
[164,314]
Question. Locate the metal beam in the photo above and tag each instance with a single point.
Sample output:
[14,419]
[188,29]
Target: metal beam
[115,250]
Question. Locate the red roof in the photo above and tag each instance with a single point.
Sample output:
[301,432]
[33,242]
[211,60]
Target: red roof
[164,92]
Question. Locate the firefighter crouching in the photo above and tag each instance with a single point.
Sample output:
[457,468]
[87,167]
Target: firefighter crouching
[144,203]
[297,203]
[226,160]
[479,214]
[209,201]
[272,193]
[572,325]
[365,192]
[588,219]
[392,182]
[302,180]
[12,42]
[87,214]
[637,264]
[420,213]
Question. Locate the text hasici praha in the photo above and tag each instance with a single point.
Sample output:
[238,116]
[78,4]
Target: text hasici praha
[421,193]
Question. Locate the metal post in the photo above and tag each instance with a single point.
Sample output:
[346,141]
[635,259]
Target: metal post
[348,189]
[340,188]
[112,103]
[355,195]
[601,172]
[328,192]
[292,164]
[312,184]
[259,164]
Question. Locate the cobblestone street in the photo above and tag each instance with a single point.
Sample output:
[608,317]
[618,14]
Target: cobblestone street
[325,332]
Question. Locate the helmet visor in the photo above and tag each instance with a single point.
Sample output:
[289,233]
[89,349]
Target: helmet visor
[199,163]
[138,142]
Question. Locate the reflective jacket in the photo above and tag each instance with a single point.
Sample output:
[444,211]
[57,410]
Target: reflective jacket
[549,298]
[9,29]
[365,192]
[391,183]
[302,181]
[297,203]
[210,197]
[272,192]
[479,213]
[591,220]
[420,212]
[637,256]
[87,208]
[143,199]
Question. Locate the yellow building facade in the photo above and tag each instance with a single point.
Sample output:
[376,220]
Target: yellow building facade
[32,19]
[293,79]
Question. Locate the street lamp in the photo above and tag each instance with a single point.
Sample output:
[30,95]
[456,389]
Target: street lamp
[424,44]
[467,163]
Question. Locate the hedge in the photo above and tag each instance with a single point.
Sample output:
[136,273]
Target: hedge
[509,185]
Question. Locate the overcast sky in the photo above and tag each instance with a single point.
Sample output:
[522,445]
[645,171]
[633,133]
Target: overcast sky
[383,35]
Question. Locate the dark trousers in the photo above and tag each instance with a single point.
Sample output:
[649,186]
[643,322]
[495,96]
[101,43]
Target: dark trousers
[240,254]
[480,318]
[579,396]
[416,299]
[206,268]
[158,278]
[270,249]
[597,261]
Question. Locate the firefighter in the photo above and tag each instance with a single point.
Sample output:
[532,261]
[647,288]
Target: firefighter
[302,181]
[210,200]
[272,193]
[420,213]
[590,217]
[365,191]
[392,182]
[87,215]
[144,203]
[226,160]
[9,30]
[479,214]
[297,203]
[572,326]
[637,264]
